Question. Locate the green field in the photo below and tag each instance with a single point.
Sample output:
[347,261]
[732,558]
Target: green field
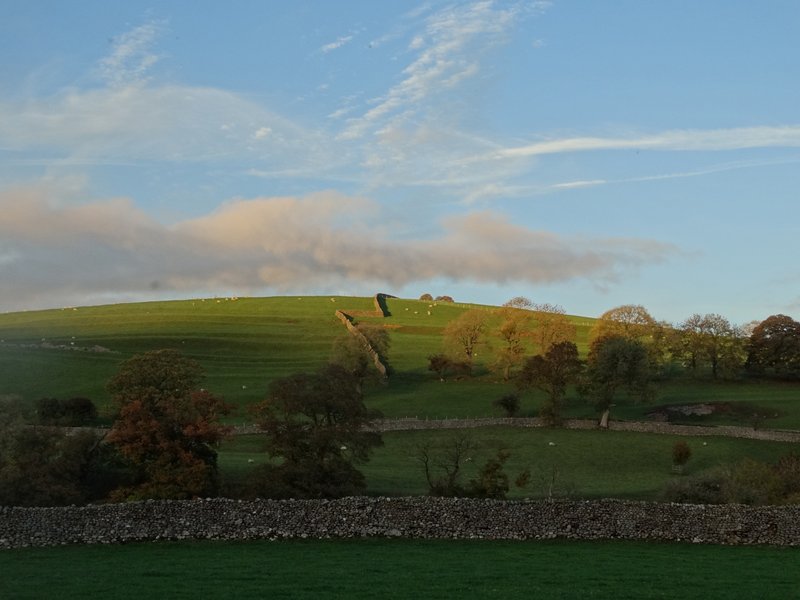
[375,568]
[245,343]
[587,464]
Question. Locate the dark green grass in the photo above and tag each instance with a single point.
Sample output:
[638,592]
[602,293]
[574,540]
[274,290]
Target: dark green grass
[376,568]
[588,464]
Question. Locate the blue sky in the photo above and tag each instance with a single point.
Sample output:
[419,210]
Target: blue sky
[586,154]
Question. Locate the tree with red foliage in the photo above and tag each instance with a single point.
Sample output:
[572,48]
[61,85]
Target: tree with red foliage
[167,427]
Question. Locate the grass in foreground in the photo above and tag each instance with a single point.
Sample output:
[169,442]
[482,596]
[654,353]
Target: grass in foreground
[377,568]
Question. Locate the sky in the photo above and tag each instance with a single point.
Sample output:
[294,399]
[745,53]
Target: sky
[581,153]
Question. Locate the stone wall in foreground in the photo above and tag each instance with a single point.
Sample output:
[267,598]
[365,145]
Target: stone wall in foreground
[408,517]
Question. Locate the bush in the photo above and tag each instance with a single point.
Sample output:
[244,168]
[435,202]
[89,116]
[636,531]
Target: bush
[753,482]
[80,411]
[509,404]
[426,297]
[49,411]
[748,482]
[444,299]
[707,487]
[681,453]
[74,412]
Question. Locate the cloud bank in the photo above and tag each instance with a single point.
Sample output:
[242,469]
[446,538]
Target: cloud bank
[320,242]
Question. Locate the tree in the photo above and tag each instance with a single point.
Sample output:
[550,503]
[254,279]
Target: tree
[426,298]
[42,466]
[464,333]
[512,331]
[74,412]
[774,348]
[358,353]
[317,430]
[492,480]
[616,363]
[551,373]
[518,302]
[551,327]
[711,338]
[443,468]
[509,404]
[631,321]
[167,427]
[681,453]
[441,364]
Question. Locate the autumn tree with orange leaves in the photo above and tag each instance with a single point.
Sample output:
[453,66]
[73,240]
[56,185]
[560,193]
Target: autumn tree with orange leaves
[167,426]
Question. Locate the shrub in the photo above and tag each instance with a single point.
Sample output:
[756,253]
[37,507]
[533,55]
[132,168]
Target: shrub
[74,412]
[681,453]
[80,411]
[788,470]
[426,297]
[753,482]
[704,488]
[492,481]
[509,404]
[49,411]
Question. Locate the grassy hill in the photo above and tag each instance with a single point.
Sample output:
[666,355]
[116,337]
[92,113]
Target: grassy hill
[245,343]
[242,344]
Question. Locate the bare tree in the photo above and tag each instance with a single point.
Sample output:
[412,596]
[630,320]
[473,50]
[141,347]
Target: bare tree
[443,467]
[518,302]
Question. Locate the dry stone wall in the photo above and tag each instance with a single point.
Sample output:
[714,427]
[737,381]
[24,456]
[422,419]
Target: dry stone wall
[376,360]
[412,424]
[409,517]
[415,424]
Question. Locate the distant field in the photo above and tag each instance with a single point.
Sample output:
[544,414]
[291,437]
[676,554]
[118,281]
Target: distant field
[376,568]
[587,464]
[245,343]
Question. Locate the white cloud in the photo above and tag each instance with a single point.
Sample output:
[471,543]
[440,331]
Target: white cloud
[417,43]
[132,56]
[321,242]
[676,140]
[145,122]
[133,118]
[446,55]
[579,184]
[336,44]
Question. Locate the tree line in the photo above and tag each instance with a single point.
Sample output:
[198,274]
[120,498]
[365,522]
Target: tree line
[628,352]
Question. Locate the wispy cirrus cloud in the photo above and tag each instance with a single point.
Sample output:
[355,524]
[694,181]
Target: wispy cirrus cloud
[446,53]
[336,44]
[321,242]
[736,138]
[132,55]
[134,117]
